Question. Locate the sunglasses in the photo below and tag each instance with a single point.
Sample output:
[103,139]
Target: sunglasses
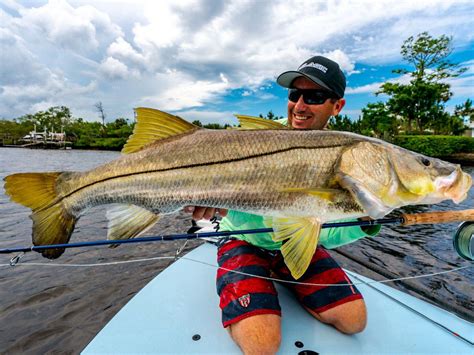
[311,96]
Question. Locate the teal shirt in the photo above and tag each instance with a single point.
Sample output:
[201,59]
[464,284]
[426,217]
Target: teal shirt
[329,238]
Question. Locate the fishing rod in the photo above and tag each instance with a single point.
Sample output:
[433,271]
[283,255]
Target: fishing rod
[463,239]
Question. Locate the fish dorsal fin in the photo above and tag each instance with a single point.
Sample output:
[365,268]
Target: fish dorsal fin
[251,122]
[153,125]
[301,236]
[128,221]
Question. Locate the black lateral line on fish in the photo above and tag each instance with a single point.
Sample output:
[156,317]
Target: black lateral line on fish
[184,167]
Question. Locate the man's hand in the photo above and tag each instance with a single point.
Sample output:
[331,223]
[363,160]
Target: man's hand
[366,229]
[204,212]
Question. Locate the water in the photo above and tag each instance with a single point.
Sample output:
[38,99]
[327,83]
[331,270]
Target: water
[45,309]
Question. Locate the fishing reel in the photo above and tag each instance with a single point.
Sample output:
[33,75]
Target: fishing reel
[463,240]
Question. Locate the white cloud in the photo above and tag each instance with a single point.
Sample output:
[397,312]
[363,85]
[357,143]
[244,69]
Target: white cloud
[123,50]
[182,91]
[364,89]
[374,87]
[78,29]
[464,85]
[206,117]
[177,55]
[114,68]
[342,59]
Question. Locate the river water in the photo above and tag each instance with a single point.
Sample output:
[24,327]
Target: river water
[60,309]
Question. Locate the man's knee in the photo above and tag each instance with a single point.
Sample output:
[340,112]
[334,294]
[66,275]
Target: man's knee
[260,334]
[349,318]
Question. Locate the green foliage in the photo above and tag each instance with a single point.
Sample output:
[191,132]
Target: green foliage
[465,110]
[420,104]
[426,52]
[270,116]
[83,135]
[210,125]
[340,123]
[53,119]
[12,131]
[378,121]
[436,146]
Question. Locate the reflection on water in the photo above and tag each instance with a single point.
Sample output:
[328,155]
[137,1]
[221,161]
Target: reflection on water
[47,308]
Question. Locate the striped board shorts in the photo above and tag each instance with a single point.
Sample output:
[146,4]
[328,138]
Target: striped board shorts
[243,295]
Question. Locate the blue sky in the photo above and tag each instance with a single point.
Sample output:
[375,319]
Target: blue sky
[206,59]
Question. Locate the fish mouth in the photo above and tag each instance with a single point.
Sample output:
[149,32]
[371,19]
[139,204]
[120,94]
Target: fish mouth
[454,186]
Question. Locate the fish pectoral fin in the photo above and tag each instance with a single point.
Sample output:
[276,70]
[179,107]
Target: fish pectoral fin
[300,237]
[128,221]
[325,194]
[251,122]
[153,125]
[373,205]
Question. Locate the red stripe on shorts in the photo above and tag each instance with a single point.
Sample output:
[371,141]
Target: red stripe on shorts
[332,276]
[233,291]
[350,298]
[239,261]
[229,246]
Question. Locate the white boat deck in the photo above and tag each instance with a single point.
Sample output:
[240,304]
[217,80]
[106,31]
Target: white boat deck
[181,303]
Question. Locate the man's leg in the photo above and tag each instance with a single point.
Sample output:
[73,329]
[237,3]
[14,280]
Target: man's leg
[348,318]
[250,308]
[260,334]
[331,299]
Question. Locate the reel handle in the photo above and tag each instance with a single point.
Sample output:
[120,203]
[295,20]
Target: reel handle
[438,217]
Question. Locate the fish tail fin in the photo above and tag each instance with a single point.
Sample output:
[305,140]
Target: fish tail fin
[52,223]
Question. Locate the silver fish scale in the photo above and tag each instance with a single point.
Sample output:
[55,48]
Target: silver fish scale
[246,171]
[205,147]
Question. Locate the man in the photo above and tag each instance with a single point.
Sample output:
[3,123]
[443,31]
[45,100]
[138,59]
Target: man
[249,304]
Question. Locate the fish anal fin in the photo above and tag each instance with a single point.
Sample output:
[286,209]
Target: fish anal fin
[153,125]
[300,237]
[128,221]
[251,122]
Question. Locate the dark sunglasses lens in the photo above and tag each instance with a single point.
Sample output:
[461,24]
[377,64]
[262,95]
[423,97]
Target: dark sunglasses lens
[310,97]
[315,98]
[294,95]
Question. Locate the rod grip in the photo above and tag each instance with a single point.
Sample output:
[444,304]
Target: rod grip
[438,217]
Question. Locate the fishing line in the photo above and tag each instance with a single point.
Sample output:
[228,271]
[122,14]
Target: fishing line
[362,282]
[233,271]
[413,310]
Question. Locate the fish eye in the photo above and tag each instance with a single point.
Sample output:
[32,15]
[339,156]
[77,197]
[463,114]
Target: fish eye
[425,162]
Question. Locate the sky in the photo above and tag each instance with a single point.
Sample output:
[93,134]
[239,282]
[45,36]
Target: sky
[210,59]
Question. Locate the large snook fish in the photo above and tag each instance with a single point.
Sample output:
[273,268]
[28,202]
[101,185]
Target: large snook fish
[298,179]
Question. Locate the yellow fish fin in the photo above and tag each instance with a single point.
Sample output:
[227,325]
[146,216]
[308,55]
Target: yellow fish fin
[128,221]
[251,122]
[153,125]
[325,194]
[300,237]
[52,224]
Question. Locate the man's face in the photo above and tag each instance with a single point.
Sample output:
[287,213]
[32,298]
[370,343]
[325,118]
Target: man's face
[304,116]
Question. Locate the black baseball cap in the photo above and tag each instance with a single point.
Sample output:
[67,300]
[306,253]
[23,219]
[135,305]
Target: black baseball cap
[320,70]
